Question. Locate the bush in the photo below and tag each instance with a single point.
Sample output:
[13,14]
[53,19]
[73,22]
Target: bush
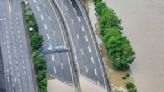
[36,44]
[131,87]
[118,46]
[36,40]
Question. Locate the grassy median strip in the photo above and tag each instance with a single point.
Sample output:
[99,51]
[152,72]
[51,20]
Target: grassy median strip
[36,41]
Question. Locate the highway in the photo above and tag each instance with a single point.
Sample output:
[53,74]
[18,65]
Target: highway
[15,51]
[84,46]
[49,26]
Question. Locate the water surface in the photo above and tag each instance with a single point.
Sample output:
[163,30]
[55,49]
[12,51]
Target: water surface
[143,22]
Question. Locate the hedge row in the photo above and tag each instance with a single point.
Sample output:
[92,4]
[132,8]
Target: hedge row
[36,44]
[118,46]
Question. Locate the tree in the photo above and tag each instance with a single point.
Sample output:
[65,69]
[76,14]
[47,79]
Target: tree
[36,40]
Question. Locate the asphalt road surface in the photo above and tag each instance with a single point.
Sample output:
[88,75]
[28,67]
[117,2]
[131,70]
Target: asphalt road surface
[84,46]
[17,63]
[53,34]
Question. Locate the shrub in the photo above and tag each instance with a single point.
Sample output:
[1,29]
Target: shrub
[118,46]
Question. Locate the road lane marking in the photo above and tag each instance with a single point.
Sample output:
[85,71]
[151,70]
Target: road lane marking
[53,58]
[9,62]
[89,49]
[92,60]
[77,36]
[54,33]
[66,7]
[54,69]
[17,22]
[75,58]
[19,36]
[72,21]
[62,66]
[21,46]
[98,83]
[50,47]
[8,46]
[74,10]
[44,5]
[8,51]
[38,8]
[81,51]
[86,38]
[48,37]
[41,16]
[45,26]
[82,28]
[49,18]
[9,57]
[79,19]
[95,72]
[23,67]
[86,69]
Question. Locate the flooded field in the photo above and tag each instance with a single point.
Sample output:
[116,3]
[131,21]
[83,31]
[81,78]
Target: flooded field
[143,22]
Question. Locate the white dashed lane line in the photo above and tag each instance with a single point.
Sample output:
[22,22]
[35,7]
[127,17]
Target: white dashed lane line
[38,8]
[77,36]
[82,28]
[86,38]
[92,60]
[82,52]
[89,49]
[62,66]
[54,69]
[50,47]
[53,58]
[95,72]
[49,18]
[66,8]
[48,37]
[54,33]
[72,21]
[45,26]
[86,69]
[41,16]
[79,19]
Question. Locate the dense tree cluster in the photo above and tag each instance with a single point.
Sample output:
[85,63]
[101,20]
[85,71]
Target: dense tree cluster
[36,44]
[118,46]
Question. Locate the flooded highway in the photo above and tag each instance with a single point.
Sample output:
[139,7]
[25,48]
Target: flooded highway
[143,22]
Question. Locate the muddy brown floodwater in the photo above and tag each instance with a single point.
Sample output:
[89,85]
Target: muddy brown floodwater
[143,22]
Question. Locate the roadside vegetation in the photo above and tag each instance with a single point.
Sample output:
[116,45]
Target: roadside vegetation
[119,48]
[36,41]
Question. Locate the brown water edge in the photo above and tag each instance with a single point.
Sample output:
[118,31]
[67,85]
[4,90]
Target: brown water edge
[114,76]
